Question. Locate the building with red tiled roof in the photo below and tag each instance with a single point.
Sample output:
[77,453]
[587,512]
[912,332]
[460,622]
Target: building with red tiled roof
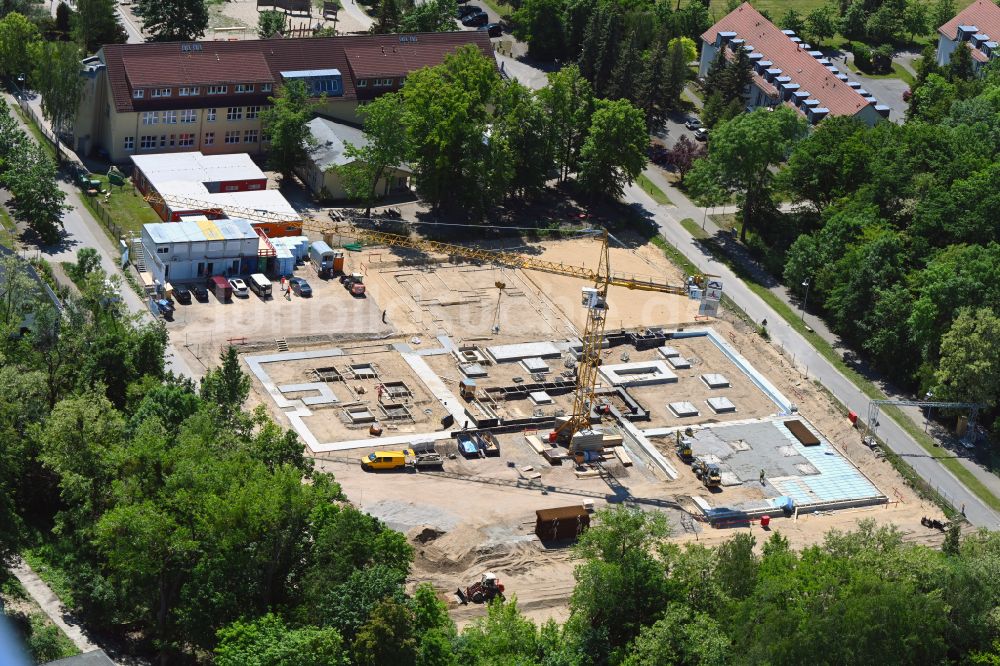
[978,26]
[786,70]
[208,96]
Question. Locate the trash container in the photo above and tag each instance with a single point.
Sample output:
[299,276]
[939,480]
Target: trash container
[765,521]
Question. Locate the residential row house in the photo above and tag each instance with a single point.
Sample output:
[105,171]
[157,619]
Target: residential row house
[977,27]
[786,70]
[209,96]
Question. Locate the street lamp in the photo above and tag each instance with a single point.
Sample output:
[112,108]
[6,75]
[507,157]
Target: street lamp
[927,412]
[805,283]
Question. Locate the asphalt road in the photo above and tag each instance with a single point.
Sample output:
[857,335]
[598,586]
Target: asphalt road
[803,353]
[82,230]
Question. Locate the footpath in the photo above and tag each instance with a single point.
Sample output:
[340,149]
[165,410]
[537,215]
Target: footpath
[803,353]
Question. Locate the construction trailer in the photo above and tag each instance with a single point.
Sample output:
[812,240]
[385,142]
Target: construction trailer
[563,523]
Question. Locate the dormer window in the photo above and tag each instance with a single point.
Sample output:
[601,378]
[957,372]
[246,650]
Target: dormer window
[362,83]
[244,87]
[139,93]
[265,87]
[161,92]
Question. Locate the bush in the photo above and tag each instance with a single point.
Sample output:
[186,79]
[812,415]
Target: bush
[862,57]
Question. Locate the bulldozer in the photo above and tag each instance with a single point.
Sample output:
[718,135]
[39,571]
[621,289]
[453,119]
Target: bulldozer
[482,591]
[684,445]
[707,473]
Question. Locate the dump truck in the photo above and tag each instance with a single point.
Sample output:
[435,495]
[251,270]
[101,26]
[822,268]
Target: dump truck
[707,473]
[389,460]
[484,591]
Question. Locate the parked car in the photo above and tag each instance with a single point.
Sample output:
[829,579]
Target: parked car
[300,286]
[468,10]
[239,288]
[701,134]
[692,123]
[476,20]
[200,293]
[183,295]
[492,29]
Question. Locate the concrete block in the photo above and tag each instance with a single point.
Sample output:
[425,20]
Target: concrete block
[715,381]
[721,405]
[683,409]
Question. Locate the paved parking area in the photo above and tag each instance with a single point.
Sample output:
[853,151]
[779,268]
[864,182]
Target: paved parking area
[204,327]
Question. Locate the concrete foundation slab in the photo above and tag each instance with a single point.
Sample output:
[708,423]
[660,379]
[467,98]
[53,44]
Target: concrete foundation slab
[514,353]
[721,405]
[472,370]
[540,398]
[679,362]
[535,364]
[637,374]
[667,352]
[683,409]
[715,381]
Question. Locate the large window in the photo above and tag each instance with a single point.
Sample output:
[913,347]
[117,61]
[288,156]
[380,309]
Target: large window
[233,136]
[149,118]
[147,142]
[170,117]
[209,139]
[186,140]
[251,136]
[234,113]
[210,115]
[130,143]
[253,112]
[189,116]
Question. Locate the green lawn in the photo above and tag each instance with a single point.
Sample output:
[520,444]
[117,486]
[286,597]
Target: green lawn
[55,578]
[868,388]
[501,8]
[7,229]
[659,196]
[897,73]
[694,228]
[777,8]
[129,210]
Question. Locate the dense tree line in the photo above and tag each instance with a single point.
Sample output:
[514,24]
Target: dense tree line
[637,51]
[201,532]
[897,239]
[28,172]
[476,141]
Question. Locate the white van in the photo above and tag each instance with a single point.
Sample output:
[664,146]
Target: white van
[260,285]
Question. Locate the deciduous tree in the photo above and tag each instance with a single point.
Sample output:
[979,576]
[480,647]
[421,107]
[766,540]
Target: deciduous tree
[17,34]
[614,153]
[387,146]
[270,23]
[174,20]
[285,124]
[742,155]
[96,24]
[568,100]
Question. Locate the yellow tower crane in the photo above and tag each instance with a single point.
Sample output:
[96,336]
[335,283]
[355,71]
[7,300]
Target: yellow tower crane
[594,298]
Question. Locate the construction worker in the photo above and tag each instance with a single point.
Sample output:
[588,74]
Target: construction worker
[761,477]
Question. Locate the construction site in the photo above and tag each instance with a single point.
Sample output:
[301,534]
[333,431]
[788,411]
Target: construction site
[533,386]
